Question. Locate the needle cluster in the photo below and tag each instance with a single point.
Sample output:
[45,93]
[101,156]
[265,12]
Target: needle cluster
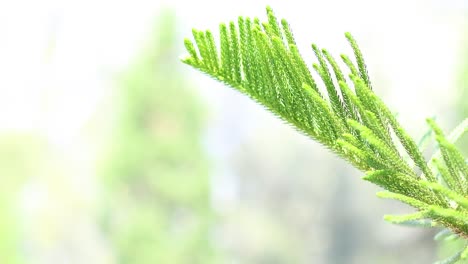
[262,61]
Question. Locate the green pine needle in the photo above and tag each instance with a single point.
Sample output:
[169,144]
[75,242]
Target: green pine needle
[451,260]
[445,235]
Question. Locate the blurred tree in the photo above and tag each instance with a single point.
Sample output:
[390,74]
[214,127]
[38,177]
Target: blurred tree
[156,175]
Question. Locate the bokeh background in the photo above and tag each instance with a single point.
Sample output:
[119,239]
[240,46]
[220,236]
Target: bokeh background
[112,151]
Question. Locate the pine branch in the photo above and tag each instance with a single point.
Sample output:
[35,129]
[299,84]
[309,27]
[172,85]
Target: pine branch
[261,60]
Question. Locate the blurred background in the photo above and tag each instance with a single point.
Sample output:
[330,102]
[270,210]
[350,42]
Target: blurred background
[112,151]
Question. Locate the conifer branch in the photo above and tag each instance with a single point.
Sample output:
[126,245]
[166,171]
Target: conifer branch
[262,61]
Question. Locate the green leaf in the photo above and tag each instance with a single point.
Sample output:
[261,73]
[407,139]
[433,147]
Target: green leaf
[415,219]
[453,159]
[360,60]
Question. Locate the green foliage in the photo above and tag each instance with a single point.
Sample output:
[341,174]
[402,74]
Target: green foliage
[21,155]
[261,60]
[149,216]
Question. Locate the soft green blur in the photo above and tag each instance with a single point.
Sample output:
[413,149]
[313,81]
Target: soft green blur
[20,157]
[155,175]
[153,203]
[461,103]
